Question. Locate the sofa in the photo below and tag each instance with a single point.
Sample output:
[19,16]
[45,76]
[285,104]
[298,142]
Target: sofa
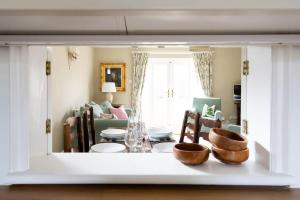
[103,123]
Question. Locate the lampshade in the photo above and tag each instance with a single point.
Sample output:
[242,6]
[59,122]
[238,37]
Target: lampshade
[109,87]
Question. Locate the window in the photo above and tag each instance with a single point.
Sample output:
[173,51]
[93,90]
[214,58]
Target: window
[170,85]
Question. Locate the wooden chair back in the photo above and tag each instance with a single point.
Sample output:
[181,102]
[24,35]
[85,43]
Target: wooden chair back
[92,126]
[67,138]
[194,127]
[210,124]
[86,140]
[79,134]
[73,123]
[85,131]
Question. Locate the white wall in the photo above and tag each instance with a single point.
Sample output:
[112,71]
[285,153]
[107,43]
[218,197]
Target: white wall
[285,111]
[5,111]
[226,73]
[293,112]
[70,87]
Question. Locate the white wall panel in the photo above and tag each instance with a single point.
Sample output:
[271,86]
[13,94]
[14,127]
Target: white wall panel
[5,112]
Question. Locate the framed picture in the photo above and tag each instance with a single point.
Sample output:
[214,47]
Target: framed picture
[113,72]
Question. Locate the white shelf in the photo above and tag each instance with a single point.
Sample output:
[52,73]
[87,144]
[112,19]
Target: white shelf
[135,168]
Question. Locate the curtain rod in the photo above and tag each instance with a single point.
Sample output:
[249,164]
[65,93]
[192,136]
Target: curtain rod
[171,52]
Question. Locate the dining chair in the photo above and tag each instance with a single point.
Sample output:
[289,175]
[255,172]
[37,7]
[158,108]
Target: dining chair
[209,123]
[92,126]
[67,138]
[79,134]
[190,123]
[86,141]
[73,134]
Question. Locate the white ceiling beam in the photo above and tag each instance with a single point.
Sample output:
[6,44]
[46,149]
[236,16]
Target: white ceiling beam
[135,40]
[146,4]
[147,12]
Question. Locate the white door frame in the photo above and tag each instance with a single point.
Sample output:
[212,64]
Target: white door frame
[165,40]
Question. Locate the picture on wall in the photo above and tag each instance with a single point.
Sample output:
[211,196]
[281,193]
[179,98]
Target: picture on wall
[113,72]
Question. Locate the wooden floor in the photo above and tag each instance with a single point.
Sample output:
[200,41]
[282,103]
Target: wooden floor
[144,192]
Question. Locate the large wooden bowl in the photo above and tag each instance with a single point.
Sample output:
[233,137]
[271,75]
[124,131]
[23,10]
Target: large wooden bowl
[230,157]
[190,153]
[227,140]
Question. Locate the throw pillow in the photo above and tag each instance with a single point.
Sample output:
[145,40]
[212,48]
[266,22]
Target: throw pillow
[97,110]
[119,112]
[208,111]
[105,106]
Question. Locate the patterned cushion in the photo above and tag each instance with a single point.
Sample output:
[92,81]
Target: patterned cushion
[208,111]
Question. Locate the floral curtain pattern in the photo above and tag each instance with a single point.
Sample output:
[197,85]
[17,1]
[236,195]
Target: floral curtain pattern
[140,61]
[203,65]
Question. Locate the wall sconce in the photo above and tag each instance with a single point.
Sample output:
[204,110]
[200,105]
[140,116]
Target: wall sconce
[73,55]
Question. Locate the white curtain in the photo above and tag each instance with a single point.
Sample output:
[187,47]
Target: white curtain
[203,64]
[140,61]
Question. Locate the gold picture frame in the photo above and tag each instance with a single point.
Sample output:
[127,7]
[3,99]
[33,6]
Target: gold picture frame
[113,72]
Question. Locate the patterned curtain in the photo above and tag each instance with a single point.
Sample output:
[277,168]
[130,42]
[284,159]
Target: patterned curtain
[203,64]
[140,61]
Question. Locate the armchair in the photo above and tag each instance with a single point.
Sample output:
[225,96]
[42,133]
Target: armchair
[208,122]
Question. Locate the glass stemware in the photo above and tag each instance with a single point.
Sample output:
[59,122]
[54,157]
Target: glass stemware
[131,137]
[140,131]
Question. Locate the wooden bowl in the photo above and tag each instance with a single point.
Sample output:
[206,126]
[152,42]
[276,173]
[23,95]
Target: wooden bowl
[190,153]
[227,140]
[230,157]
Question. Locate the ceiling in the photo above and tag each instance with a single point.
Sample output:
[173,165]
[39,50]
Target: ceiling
[156,22]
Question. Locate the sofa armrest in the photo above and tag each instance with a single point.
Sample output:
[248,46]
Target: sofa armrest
[128,111]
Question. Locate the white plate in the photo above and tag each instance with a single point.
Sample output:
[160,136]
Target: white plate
[159,132]
[108,148]
[114,133]
[165,147]
[117,137]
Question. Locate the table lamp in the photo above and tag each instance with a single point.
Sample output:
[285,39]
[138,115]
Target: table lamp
[109,87]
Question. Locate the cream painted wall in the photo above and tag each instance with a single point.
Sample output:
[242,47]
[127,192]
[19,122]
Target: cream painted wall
[226,72]
[113,55]
[71,88]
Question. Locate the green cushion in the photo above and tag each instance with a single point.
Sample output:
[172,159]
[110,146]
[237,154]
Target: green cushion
[105,106]
[97,110]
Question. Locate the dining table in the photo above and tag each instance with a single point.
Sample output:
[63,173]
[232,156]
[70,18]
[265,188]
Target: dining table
[146,145]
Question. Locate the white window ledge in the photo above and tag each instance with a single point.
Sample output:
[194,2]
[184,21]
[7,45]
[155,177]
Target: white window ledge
[134,168]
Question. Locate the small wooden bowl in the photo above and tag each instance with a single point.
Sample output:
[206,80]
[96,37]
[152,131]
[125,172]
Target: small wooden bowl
[230,157]
[190,153]
[227,140]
